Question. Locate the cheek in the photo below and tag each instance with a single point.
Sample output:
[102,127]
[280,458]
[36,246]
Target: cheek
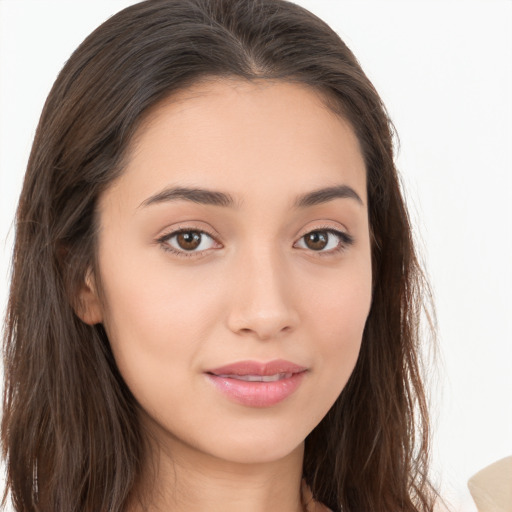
[156,322]
[147,298]
[340,311]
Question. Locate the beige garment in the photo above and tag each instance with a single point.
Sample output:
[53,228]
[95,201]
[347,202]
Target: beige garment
[491,487]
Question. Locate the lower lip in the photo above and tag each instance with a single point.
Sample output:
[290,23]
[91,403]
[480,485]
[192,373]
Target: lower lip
[257,394]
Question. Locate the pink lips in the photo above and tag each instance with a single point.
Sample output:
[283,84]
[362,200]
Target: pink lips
[257,384]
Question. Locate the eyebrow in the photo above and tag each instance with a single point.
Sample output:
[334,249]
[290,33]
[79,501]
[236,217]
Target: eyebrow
[217,198]
[327,194]
[195,195]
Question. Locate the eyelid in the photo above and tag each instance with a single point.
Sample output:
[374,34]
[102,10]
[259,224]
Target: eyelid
[325,227]
[163,239]
[346,240]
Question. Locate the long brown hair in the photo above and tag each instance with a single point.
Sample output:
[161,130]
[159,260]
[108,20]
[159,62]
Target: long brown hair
[70,433]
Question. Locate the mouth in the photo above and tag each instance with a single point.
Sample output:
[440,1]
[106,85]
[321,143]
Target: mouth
[257,378]
[255,384]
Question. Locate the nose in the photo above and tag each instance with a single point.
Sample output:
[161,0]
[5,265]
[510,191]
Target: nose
[262,300]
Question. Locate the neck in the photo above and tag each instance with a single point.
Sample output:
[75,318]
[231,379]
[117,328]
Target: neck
[180,478]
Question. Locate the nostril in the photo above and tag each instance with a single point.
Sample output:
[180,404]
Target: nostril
[261,318]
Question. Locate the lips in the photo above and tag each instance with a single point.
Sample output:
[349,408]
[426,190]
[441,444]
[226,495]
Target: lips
[258,378]
[255,384]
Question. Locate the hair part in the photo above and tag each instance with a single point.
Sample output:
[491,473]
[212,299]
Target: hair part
[70,430]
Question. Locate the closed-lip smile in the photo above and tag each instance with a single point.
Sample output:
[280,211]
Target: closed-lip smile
[257,384]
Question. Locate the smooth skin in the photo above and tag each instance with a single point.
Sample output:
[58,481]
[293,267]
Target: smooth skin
[260,279]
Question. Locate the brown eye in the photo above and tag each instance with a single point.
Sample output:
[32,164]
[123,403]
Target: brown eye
[325,241]
[188,240]
[316,240]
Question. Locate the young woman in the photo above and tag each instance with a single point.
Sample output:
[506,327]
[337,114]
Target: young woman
[215,297]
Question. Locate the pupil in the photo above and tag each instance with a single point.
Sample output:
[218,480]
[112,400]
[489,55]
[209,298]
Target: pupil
[189,240]
[316,240]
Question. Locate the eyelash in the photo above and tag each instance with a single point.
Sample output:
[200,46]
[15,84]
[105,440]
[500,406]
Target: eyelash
[163,241]
[346,241]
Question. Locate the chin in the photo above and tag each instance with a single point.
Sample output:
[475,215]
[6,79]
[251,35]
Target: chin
[260,451]
[259,443]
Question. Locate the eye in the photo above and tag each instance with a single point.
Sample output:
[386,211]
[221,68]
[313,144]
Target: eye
[325,241]
[187,242]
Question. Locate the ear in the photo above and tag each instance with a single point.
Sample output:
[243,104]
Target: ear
[88,306]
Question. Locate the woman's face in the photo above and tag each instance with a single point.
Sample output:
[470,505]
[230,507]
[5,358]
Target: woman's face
[234,257]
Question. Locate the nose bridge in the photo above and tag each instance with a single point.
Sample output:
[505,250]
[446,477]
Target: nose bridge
[262,301]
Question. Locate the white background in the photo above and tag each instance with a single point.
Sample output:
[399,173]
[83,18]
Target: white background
[444,70]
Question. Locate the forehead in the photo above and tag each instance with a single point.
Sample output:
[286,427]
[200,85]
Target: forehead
[252,137]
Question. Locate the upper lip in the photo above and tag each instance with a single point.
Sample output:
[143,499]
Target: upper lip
[258,368]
